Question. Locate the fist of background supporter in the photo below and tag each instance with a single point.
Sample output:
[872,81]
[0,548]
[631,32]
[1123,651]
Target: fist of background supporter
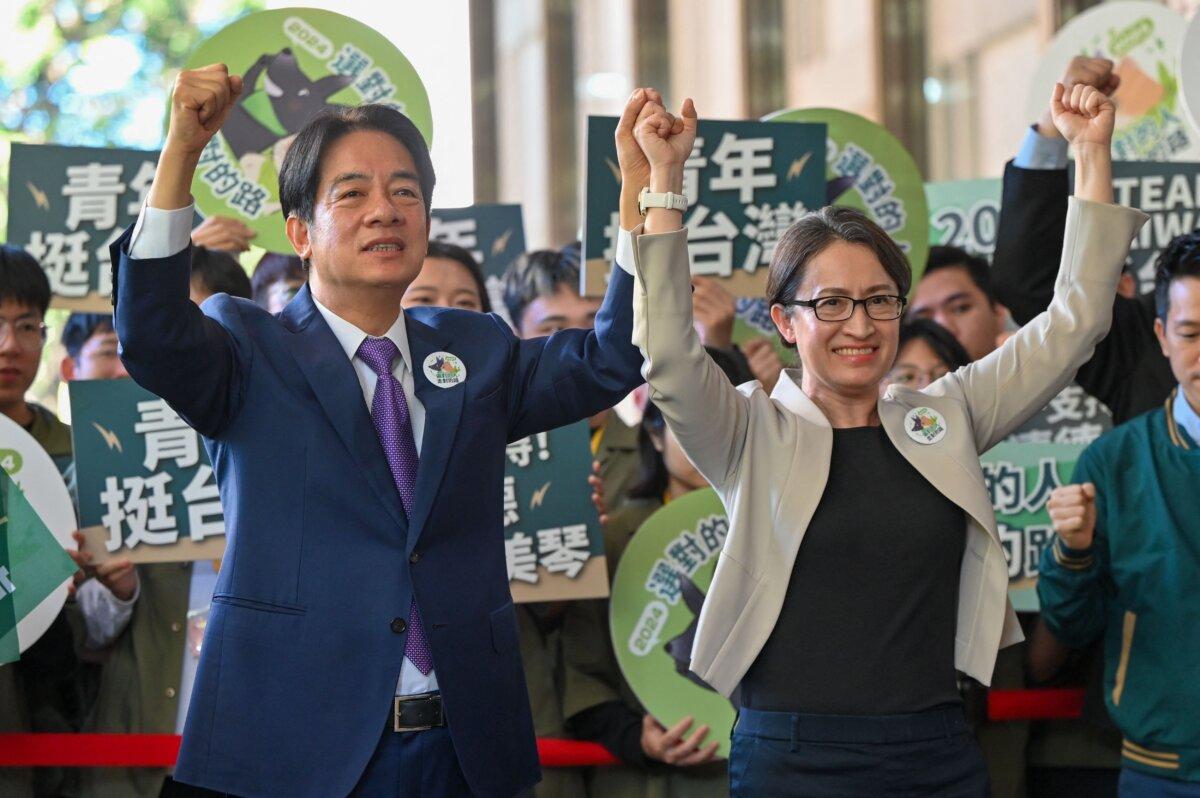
[224,234]
[118,575]
[714,309]
[1073,512]
[1095,72]
[764,362]
[200,101]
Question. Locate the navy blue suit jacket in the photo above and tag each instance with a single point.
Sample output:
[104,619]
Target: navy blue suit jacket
[300,660]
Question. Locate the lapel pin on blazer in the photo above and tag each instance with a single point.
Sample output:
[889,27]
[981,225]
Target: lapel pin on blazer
[445,370]
[925,425]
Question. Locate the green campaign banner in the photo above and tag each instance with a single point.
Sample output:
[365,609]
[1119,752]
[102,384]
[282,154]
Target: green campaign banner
[869,169]
[493,234]
[295,62]
[1020,478]
[10,647]
[146,488]
[657,593]
[964,214]
[33,565]
[746,182]
[1170,194]
[552,540]
[1144,40]
[66,205]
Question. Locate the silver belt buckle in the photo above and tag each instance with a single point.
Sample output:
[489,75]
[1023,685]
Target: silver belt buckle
[396,725]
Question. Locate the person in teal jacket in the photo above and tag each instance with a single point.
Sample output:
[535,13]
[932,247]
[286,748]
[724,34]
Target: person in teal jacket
[1126,561]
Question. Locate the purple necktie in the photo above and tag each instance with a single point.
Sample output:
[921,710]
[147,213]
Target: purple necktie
[389,410]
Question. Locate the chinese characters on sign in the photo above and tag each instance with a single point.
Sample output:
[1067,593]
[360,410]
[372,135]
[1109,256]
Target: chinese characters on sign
[143,476]
[745,182]
[67,205]
[552,541]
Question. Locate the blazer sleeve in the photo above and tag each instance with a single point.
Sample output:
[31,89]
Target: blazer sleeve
[1005,388]
[171,347]
[573,374]
[708,416]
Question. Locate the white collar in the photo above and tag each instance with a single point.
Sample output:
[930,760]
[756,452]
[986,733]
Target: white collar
[351,337]
[1186,416]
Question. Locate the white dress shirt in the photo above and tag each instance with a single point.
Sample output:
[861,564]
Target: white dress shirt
[160,234]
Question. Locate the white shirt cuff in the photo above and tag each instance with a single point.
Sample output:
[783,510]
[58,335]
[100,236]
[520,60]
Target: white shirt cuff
[1041,152]
[161,234]
[104,615]
[625,254]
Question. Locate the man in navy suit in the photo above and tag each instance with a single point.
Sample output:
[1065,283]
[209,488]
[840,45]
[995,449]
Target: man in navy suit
[362,637]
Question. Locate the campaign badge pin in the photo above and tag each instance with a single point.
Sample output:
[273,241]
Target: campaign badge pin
[925,425]
[445,370]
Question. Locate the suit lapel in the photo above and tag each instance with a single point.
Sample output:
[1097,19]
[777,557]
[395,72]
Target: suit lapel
[443,408]
[331,376]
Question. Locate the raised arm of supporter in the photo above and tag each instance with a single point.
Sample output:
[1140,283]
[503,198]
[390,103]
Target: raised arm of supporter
[707,414]
[1005,388]
[1033,205]
[553,377]
[168,345]
[1074,585]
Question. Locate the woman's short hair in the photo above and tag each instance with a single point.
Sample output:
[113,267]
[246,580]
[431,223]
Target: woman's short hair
[812,233]
[440,249]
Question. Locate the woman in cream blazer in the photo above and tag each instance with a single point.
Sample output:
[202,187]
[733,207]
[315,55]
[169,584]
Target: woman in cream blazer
[769,458]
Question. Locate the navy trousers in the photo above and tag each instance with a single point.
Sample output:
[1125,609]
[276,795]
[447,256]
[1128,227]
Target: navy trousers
[413,765]
[1136,784]
[924,754]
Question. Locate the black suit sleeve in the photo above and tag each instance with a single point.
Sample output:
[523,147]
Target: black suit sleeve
[1029,239]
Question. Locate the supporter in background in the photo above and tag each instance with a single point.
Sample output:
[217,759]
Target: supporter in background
[449,278]
[927,353]
[216,272]
[276,280]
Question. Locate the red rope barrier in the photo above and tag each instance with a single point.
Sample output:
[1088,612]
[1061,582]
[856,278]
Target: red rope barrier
[161,750]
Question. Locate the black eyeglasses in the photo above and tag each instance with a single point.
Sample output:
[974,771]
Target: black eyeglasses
[881,307]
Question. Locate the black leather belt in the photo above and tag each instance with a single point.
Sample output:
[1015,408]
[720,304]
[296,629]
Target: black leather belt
[417,712]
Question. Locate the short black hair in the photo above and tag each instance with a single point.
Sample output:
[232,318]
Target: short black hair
[653,478]
[1180,258]
[538,274]
[22,279]
[300,173]
[82,326]
[441,249]
[977,268]
[270,269]
[219,272]
[938,338]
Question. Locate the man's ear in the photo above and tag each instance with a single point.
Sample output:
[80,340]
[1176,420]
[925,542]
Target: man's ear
[783,323]
[297,233]
[66,369]
[1161,331]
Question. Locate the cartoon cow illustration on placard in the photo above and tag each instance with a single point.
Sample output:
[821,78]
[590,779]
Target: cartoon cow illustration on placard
[680,647]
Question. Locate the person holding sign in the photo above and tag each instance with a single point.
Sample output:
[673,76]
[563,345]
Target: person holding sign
[862,566]
[1123,566]
[362,638]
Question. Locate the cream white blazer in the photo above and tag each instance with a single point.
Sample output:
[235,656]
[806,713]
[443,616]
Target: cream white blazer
[768,456]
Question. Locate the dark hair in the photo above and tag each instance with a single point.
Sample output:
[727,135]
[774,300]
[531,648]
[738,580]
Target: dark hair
[219,272]
[977,268]
[1180,258]
[441,249]
[270,269]
[816,230]
[653,477]
[940,340]
[538,274]
[82,326]
[22,279]
[300,174]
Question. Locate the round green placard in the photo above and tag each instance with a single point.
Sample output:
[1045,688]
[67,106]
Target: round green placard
[295,62]
[657,592]
[869,169]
